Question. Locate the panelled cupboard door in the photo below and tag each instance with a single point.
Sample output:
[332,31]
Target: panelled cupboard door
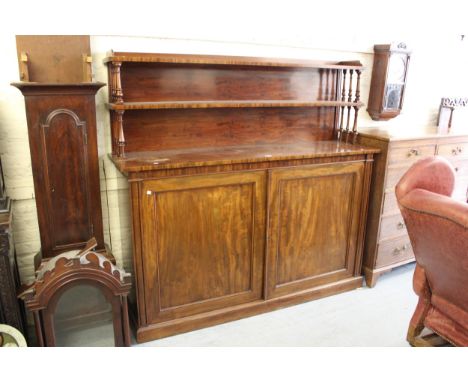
[313,226]
[203,242]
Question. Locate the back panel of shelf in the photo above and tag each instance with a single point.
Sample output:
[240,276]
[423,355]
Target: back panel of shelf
[161,105]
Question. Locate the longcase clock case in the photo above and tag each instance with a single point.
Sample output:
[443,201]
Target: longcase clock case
[63,144]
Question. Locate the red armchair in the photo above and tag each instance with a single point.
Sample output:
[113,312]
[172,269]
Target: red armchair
[438,229]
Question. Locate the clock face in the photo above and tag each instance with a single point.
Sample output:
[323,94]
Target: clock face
[396,68]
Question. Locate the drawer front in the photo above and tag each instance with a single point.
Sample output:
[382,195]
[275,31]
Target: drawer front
[410,154]
[392,226]
[394,174]
[461,168]
[390,204]
[453,151]
[460,192]
[393,251]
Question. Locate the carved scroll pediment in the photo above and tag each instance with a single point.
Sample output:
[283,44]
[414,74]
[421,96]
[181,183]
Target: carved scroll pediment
[79,263]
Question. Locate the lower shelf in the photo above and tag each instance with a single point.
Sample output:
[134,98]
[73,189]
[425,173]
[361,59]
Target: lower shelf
[203,320]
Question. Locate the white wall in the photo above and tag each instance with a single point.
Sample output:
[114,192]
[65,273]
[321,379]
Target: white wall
[274,29]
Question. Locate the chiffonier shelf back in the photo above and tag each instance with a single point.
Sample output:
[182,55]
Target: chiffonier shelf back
[247,191]
[227,101]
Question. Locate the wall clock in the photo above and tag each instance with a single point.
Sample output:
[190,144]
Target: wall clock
[388,82]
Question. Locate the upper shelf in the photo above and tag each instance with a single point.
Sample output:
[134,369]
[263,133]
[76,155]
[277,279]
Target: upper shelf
[229,60]
[226,104]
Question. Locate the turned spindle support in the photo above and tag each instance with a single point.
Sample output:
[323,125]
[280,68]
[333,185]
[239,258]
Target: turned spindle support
[356,100]
[115,128]
[327,86]
[333,95]
[343,99]
[120,144]
[350,99]
[117,93]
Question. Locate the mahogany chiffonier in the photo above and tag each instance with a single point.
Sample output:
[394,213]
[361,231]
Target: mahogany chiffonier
[245,195]
[387,243]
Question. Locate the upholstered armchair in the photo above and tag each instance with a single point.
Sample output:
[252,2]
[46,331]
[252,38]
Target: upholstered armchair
[438,229]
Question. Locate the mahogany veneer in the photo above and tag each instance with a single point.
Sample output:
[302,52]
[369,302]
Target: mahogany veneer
[243,198]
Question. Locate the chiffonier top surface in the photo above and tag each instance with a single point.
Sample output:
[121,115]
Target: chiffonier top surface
[389,136]
[211,156]
[228,60]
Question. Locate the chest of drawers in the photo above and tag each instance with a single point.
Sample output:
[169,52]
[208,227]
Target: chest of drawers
[387,243]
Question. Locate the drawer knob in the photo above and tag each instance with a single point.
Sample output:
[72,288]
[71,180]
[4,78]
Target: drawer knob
[400,225]
[403,248]
[414,152]
[457,150]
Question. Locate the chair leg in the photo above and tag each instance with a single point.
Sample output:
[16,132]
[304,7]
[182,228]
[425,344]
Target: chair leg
[428,340]
[416,325]
[413,333]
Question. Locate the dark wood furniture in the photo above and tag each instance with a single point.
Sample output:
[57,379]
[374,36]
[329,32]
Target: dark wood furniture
[68,270]
[11,311]
[389,75]
[243,199]
[63,144]
[387,242]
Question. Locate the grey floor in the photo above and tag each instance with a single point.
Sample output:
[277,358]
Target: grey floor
[362,317]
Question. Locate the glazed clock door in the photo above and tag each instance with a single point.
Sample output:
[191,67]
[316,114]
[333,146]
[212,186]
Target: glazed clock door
[313,226]
[203,243]
[396,76]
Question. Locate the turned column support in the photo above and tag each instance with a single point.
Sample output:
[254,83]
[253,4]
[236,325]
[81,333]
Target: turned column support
[118,134]
[116,85]
[356,100]
[350,99]
[343,99]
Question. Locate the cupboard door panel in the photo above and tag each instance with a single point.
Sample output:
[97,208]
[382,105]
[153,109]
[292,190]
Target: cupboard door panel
[203,242]
[313,225]
[66,180]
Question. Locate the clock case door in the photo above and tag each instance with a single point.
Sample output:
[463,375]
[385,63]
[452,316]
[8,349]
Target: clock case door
[389,76]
